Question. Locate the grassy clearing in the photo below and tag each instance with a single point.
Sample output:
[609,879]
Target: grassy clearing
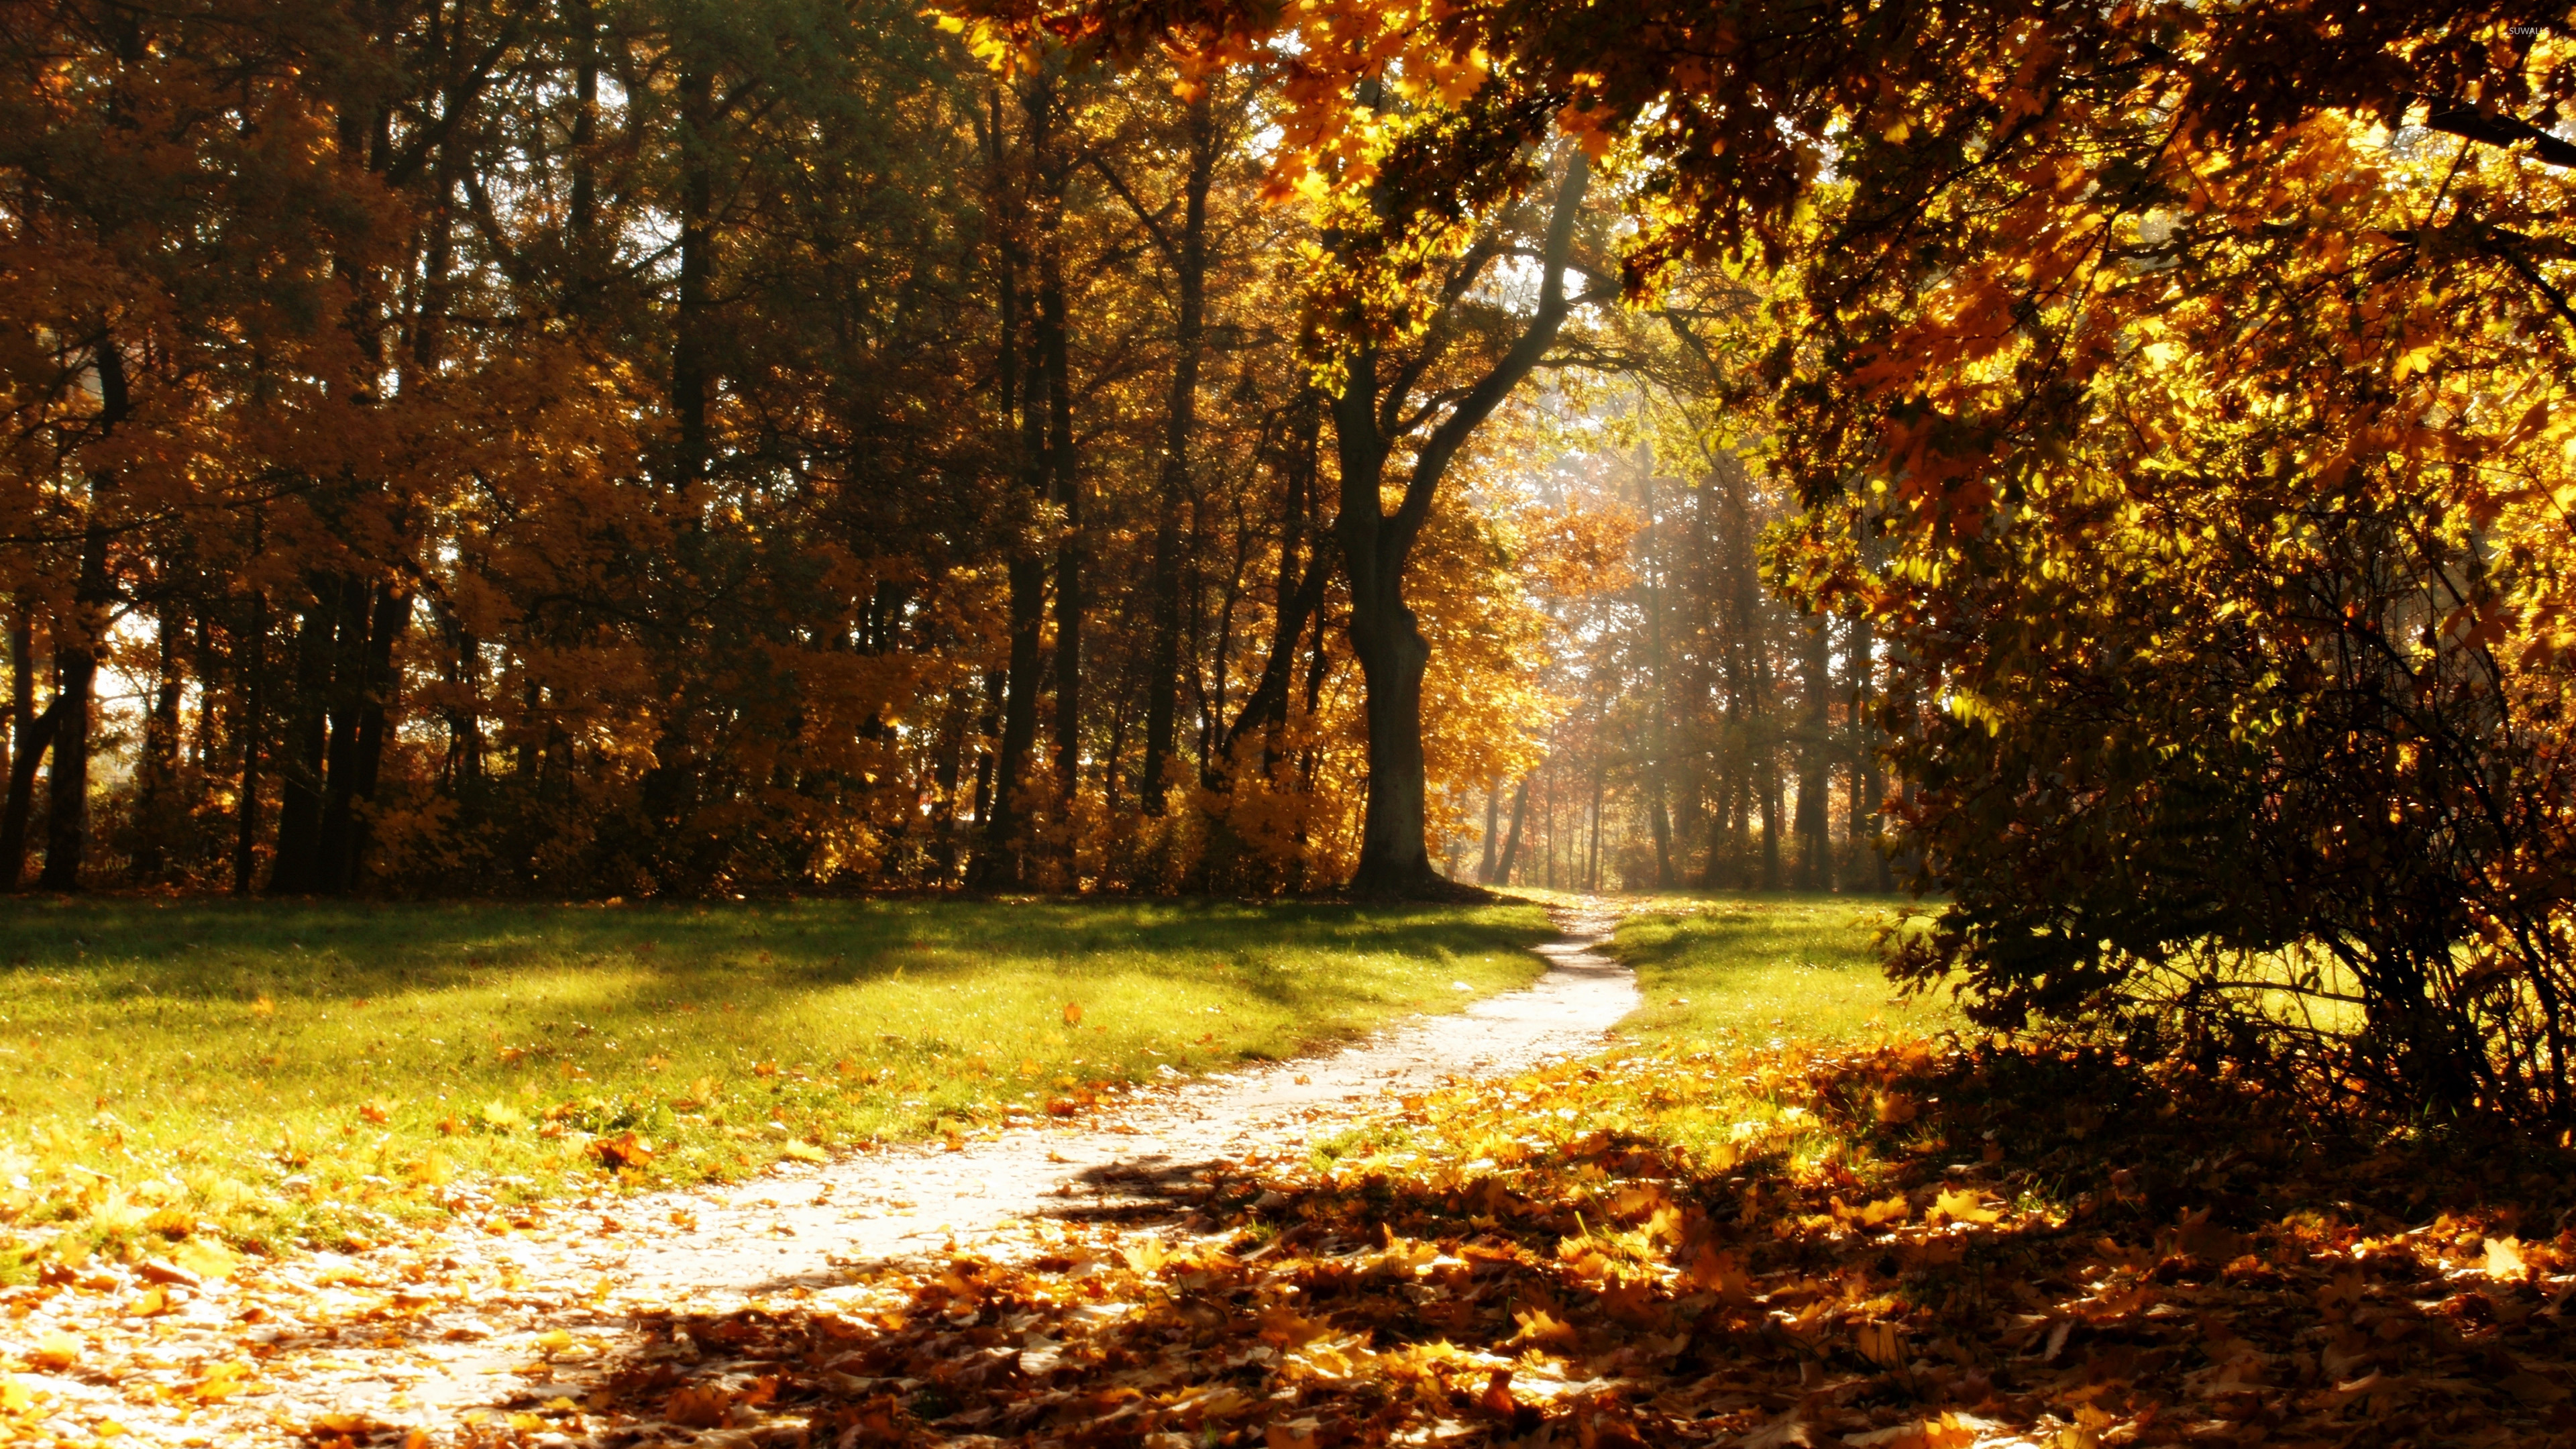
[305,1074]
[1744,969]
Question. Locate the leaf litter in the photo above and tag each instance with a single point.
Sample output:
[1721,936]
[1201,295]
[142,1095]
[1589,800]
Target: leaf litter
[1905,1245]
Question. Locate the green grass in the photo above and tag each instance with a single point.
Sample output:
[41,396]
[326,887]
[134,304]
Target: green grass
[303,1074]
[1739,970]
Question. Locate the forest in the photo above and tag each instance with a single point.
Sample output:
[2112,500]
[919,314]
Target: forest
[2004,570]
[646,451]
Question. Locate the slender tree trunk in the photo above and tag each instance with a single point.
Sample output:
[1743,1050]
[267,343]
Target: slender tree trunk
[1493,833]
[1767,782]
[76,644]
[1163,683]
[1501,874]
[333,840]
[998,863]
[26,744]
[1053,349]
[1592,852]
[371,709]
[254,691]
[691,382]
[1659,733]
[300,782]
[157,775]
[33,739]
[1815,761]
[585,130]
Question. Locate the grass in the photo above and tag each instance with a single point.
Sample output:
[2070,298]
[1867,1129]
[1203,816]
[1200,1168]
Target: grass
[305,1074]
[1741,970]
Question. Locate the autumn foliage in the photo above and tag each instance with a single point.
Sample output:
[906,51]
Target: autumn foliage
[1889,1246]
[610,449]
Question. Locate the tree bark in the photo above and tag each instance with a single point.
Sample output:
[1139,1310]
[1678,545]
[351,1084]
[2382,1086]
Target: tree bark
[1189,265]
[1386,636]
[158,769]
[300,781]
[1815,761]
[1493,832]
[1054,351]
[255,679]
[34,737]
[690,380]
[1501,874]
[997,864]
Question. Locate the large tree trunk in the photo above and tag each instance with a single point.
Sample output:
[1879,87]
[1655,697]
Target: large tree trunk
[1387,640]
[1163,669]
[1385,636]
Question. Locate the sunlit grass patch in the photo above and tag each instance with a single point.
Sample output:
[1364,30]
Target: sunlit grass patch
[1749,968]
[313,1073]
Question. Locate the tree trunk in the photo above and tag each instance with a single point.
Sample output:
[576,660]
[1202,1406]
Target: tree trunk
[1815,762]
[28,737]
[1493,830]
[690,380]
[1501,874]
[1592,852]
[33,738]
[300,782]
[255,678]
[1385,635]
[158,769]
[1053,352]
[76,645]
[1659,734]
[997,863]
[1163,670]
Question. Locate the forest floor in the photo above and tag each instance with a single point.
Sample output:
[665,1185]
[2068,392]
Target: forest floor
[1776,1208]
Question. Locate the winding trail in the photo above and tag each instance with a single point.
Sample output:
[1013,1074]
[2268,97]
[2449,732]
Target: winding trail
[496,1319]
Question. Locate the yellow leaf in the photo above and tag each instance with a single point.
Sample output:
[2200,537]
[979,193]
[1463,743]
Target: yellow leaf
[220,1382]
[800,1150]
[1881,1344]
[1960,1205]
[206,1258]
[554,1340]
[56,1350]
[2504,1259]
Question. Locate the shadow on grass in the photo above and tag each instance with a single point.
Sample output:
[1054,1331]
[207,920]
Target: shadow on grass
[239,950]
[2060,1245]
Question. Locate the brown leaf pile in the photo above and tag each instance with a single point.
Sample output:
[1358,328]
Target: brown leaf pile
[1899,1247]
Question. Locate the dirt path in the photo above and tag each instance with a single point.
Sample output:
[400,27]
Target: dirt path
[479,1320]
